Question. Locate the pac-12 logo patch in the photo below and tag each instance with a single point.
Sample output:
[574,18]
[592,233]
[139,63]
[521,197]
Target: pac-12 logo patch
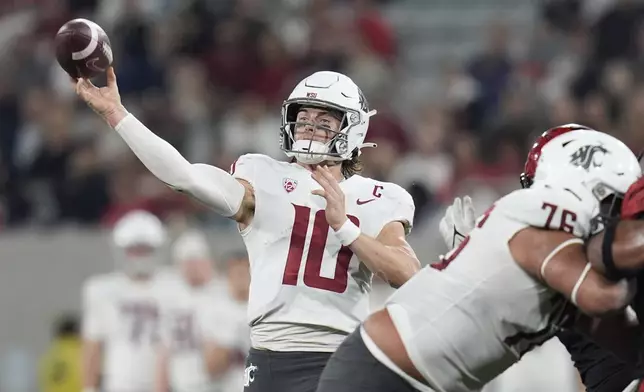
[289,184]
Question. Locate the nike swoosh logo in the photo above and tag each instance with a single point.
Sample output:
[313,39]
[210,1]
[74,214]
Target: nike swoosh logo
[361,202]
[456,235]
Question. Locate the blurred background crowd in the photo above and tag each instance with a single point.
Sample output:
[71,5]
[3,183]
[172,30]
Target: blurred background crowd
[462,87]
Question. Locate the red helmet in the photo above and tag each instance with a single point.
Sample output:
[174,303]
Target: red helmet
[530,168]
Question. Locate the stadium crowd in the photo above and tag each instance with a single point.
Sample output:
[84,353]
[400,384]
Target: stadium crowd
[209,77]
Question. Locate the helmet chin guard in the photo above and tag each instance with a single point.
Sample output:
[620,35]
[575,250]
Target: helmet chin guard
[310,152]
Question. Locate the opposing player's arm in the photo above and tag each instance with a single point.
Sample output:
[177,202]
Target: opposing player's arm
[389,255]
[618,251]
[92,336]
[558,259]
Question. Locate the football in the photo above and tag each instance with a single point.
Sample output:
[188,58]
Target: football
[83,49]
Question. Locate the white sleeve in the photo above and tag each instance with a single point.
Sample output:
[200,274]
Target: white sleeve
[209,184]
[93,323]
[245,167]
[402,208]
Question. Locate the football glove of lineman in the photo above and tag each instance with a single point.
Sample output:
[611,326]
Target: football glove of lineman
[458,221]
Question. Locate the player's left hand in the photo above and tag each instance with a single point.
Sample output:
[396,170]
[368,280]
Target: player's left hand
[458,221]
[336,213]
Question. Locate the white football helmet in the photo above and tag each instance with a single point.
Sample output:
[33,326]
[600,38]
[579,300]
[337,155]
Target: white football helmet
[138,239]
[326,89]
[595,166]
[191,245]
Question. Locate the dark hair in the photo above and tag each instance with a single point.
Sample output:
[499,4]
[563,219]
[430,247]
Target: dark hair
[352,166]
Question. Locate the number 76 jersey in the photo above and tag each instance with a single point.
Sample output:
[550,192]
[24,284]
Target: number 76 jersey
[301,273]
[477,312]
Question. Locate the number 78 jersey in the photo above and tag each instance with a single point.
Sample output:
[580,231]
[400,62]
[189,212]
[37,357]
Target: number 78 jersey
[124,315]
[301,273]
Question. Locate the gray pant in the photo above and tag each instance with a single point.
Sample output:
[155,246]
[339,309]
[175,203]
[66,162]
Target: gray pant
[281,371]
[352,368]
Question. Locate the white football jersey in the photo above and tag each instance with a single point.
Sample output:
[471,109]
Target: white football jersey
[125,315]
[225,323]
[479,312]
[303,278]
[182,335]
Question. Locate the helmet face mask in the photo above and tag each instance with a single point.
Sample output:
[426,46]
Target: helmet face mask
[609,211]
[333,92]
[311,151]
[138,259]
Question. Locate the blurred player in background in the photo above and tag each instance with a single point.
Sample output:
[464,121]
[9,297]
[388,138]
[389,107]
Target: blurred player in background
[181,365]
[227,334]
[121,310]
[302,221]
[508,286]
[60,367]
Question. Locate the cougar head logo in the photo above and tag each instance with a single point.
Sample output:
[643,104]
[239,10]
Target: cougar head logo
[588,156]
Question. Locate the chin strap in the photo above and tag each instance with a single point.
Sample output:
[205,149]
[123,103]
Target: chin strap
[370,114]
[368,145]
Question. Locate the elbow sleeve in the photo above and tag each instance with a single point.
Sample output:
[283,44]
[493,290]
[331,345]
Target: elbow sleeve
[210,185]
[216,188]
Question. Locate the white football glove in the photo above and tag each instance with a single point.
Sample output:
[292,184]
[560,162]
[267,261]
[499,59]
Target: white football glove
[458,221]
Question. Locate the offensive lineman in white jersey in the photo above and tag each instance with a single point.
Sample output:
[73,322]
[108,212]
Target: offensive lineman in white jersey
[546,368]
[504,289]
[302,222]
[183,350]
[121,310]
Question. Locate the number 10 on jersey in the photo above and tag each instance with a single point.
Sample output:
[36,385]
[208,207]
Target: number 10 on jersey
[315,255]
